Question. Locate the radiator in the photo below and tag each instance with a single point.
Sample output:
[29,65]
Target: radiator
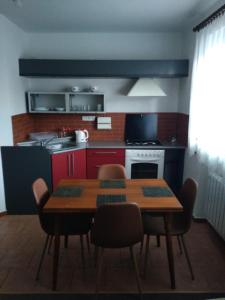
[215,205]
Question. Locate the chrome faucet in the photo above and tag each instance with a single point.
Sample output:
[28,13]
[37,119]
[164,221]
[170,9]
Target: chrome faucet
[47,141]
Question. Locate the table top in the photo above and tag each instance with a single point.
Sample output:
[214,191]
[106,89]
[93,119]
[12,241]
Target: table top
[86,202]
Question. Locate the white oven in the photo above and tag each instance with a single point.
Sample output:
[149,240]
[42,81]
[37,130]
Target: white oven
[144,163]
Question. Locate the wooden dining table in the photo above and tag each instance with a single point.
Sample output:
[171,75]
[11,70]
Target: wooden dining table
[86,202]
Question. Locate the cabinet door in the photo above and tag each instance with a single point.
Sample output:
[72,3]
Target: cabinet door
[45,102]
[21,167]
[106,152]
[79,164]
[71,164]
[61,167]
[173,168]
[98,157]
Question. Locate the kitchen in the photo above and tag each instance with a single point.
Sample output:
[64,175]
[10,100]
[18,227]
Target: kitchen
[172,110]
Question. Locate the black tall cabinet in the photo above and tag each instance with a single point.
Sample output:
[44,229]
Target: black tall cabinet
[173,168]
[21,166]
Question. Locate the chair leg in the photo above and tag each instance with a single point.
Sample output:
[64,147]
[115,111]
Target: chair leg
[146,255]
[42,257]
[136,269]
[96,251]
[187,257]
[66,241]
[179,243]
[50,244]
[99,269]
[158,240]
[141,246]
[82,252]
[88,244]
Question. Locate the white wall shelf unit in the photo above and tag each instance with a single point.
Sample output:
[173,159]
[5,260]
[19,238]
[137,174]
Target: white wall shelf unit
[65,102]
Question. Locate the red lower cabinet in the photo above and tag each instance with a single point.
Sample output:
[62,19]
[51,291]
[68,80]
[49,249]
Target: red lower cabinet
[71,164]
[98,157]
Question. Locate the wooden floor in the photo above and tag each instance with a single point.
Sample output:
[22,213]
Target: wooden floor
[21,242]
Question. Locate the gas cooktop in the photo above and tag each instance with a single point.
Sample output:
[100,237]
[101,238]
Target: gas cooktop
[143,143]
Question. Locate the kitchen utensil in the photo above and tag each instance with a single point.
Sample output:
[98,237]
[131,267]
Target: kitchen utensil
[41,108]
[81,136]
[99,107]
[93,88]
[59,108]
[75,89]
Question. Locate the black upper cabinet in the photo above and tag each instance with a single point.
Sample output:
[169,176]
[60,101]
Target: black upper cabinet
[103,68]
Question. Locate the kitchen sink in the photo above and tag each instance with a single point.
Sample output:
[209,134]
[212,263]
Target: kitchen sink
[54,146]
[59,146]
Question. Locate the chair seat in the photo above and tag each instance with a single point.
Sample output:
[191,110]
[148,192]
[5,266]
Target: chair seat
[154,225]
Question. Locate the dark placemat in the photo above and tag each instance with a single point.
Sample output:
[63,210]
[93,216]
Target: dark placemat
[156,191]
[116,184]
[104,199]
[68,191]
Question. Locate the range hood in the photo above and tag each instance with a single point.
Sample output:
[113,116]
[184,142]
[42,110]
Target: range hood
[146,87]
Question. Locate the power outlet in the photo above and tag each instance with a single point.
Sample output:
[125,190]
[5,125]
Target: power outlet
[88,118]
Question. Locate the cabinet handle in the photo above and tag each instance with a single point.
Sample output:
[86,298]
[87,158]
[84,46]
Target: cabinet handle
[72,163]
[105,152]
[68,164]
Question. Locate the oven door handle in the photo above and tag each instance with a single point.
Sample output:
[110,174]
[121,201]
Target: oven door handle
[144,160]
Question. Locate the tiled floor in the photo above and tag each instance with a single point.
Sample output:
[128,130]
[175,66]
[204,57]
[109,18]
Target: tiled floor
[21,242]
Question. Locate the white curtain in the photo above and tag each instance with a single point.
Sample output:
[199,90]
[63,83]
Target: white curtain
[207,106]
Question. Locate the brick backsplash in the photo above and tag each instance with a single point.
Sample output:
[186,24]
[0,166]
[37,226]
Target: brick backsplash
[22,124]
[169,125]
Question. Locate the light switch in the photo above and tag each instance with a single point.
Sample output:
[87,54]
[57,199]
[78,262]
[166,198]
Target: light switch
[104,126]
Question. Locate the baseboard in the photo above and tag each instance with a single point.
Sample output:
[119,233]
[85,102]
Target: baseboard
[199,220]
[3,213]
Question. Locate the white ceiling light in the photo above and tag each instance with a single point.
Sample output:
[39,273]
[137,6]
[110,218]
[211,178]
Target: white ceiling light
[146,87]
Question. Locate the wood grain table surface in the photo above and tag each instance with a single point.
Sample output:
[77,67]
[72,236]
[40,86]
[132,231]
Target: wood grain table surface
[86,202]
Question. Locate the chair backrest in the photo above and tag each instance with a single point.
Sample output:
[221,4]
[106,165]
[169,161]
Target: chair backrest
[117,225]
[111,171]
[70,224]
[187,198]
[41,193]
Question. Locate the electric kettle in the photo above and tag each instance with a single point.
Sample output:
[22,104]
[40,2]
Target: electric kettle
[81,136]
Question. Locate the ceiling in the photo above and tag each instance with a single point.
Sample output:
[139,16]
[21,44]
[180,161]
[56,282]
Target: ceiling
[106,15]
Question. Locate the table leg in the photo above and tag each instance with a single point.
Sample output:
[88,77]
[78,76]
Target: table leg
[169,245]
[56,253]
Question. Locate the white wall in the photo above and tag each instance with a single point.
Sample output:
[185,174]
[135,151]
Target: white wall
[105,45]
[185,83]
[12,44]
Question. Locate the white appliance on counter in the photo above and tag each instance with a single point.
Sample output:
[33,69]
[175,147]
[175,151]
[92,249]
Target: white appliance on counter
[81,136]
[144,163]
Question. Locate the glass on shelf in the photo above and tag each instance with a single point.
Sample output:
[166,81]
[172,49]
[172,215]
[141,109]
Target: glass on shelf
[99,107]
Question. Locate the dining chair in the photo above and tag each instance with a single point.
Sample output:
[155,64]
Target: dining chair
[73,224]
[117,225]
[111,171]
[180,222]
